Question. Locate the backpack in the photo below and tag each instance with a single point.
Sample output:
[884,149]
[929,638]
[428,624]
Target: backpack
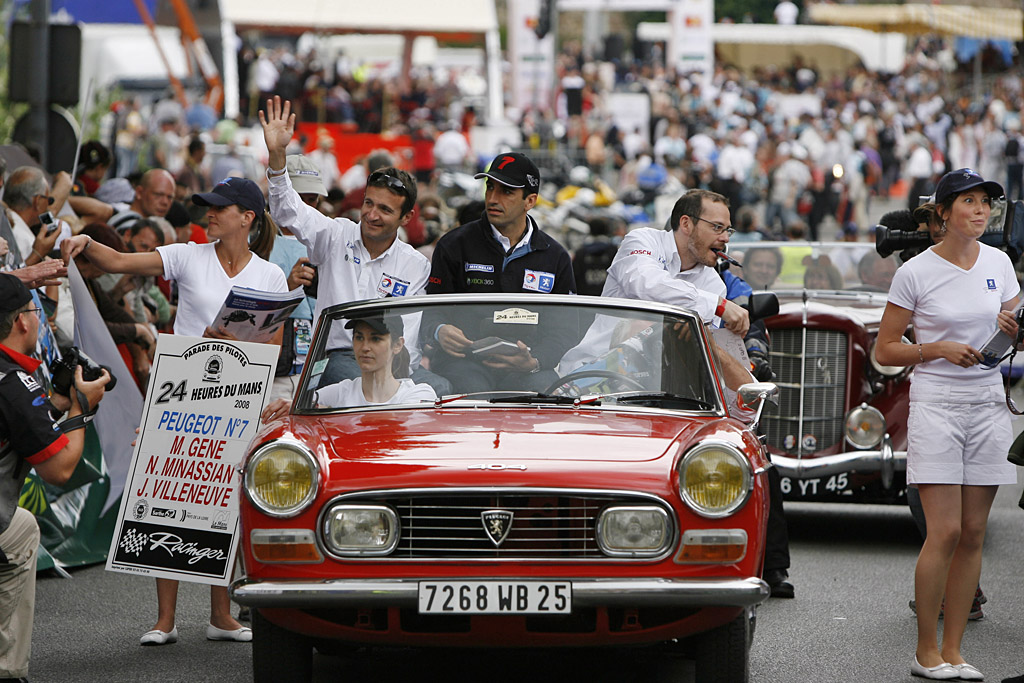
[1012,150]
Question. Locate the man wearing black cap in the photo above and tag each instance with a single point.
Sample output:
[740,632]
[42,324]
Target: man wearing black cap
[502,251]
[29,437]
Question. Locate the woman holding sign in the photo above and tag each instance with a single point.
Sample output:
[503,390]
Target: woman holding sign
[205,273]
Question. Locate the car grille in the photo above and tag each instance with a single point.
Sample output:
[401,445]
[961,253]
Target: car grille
[824,390]
[547,525]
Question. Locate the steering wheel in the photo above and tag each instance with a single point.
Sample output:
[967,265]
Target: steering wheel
[626,381]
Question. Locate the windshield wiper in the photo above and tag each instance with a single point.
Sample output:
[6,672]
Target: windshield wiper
[631,396]
[538,397]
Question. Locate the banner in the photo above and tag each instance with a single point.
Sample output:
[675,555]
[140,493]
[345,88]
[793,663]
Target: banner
[179,515]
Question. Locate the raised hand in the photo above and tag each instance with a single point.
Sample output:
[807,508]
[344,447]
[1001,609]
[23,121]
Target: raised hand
[278,128]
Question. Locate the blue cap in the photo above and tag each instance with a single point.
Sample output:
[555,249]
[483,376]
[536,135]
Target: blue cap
[241,191]
[961,180]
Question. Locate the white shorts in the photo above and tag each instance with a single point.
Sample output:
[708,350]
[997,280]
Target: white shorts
[959,435]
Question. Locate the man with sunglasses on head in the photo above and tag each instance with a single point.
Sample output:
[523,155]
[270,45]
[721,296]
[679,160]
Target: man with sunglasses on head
[356,261]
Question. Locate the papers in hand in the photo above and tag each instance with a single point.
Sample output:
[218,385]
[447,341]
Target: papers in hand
[254,315]
[493,346]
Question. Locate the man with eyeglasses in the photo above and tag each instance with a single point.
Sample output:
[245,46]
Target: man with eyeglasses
[29,197]
[153,198]
[30,437]
[675,267]
[364,260]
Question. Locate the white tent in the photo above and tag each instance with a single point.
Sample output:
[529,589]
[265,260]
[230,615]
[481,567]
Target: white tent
[830,49]
[436,17]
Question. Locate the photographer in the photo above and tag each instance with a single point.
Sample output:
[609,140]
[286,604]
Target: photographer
[29,436]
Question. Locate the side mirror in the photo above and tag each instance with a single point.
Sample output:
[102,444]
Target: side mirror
[762,305]
[754,395]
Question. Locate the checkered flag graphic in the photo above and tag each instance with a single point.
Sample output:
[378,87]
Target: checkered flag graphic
[133,542]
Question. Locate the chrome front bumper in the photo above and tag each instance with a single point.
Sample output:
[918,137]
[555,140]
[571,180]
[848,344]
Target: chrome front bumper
[885,460]
[371,593]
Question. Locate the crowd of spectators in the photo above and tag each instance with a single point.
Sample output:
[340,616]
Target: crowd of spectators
[789,173]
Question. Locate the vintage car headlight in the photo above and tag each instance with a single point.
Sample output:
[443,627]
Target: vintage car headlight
[361,529]
[281,478]
[715,479]
[885,370]
[634,531]
[865,426]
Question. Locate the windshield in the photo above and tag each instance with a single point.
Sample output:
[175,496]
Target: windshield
[788,268]
[532,349]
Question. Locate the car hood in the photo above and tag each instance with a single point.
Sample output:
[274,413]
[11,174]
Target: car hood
[469,435]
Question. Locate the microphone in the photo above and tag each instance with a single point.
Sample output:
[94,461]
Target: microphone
[725,257]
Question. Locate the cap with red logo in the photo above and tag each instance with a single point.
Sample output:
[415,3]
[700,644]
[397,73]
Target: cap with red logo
[513,170]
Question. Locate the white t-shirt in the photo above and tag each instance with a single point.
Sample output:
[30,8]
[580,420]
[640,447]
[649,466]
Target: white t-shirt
[348,393]
[203,285]
[952,304]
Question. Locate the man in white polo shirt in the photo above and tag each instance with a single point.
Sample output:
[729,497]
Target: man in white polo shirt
[355,261]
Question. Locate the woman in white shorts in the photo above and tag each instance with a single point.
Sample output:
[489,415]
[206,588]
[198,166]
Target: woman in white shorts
[955,293]
[205,273]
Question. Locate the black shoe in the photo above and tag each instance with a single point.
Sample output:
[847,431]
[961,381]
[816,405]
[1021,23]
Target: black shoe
[776,580]
[244,614]
[13,680]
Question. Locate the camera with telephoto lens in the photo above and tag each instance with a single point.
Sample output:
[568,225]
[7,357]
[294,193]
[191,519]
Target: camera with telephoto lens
[63,375]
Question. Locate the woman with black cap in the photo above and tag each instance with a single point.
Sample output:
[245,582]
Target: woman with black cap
[379,348]
[956,294]
[205,273]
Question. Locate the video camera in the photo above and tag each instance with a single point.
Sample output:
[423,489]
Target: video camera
[63,375]
[898,230]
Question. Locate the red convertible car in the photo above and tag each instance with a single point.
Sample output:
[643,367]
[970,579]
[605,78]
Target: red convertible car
[839,432]
[617,504]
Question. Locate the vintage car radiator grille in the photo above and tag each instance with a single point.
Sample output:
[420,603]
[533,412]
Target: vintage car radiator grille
[545,526]
[824,385]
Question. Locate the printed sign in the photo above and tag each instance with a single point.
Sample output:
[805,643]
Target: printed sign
[179,512]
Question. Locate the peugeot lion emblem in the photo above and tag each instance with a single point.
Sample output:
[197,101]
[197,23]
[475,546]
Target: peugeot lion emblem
[497,524]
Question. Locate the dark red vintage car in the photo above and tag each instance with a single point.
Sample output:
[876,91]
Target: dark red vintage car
[839,432]
[620,504]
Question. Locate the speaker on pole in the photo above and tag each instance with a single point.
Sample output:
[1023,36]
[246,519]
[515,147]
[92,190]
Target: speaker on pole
[65,63]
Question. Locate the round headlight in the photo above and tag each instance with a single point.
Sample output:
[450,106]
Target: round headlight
[715,479]
[281,478]
[885,370]
[865,426]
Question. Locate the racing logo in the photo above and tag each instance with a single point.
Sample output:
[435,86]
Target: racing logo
[497,524]
[140,509]
[212,369]
[505,161]
[390,285]
[133,542]
[538,281]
